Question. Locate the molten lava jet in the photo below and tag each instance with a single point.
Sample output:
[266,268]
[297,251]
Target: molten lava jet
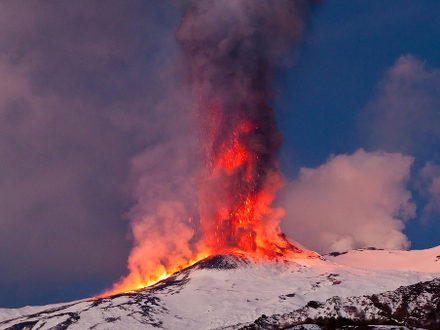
[229,49]
[239,183]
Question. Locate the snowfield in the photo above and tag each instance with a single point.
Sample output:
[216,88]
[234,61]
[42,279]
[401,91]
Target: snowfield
[232,292]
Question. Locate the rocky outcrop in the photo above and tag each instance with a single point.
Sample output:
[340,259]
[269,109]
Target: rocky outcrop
[410,306]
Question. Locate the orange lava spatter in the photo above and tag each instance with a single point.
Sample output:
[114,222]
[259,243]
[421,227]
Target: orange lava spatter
[238,190]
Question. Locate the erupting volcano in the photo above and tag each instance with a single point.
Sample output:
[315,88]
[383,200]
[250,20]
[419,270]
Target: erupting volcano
[229,50]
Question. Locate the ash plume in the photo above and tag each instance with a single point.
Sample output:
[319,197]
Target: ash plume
[230,51]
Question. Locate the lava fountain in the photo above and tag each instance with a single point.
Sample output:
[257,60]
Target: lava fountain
[229,50]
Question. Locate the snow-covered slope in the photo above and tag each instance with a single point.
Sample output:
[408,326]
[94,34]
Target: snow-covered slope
[233,291]
[415,305]
[379,259]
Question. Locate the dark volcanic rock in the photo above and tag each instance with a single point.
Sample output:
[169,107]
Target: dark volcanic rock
[335,254]
[224,261]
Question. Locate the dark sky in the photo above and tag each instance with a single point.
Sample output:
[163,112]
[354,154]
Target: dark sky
[89,90]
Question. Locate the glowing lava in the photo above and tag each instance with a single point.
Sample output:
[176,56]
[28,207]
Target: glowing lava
[236,189]
[238,186]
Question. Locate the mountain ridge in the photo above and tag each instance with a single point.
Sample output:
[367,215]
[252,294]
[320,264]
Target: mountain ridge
[233,291]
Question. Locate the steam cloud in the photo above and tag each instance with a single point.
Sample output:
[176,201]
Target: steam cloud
[362,199]
[352,201]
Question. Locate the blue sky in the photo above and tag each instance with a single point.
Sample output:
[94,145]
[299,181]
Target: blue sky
[348,47]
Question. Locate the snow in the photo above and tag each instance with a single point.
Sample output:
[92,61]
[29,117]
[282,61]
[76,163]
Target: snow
[214,298]
[10,313]
[235,296]
[415,260]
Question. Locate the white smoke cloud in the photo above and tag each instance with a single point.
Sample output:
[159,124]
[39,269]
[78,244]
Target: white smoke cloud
[351,201]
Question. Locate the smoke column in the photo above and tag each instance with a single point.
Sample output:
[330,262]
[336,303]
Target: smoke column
[229,48]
